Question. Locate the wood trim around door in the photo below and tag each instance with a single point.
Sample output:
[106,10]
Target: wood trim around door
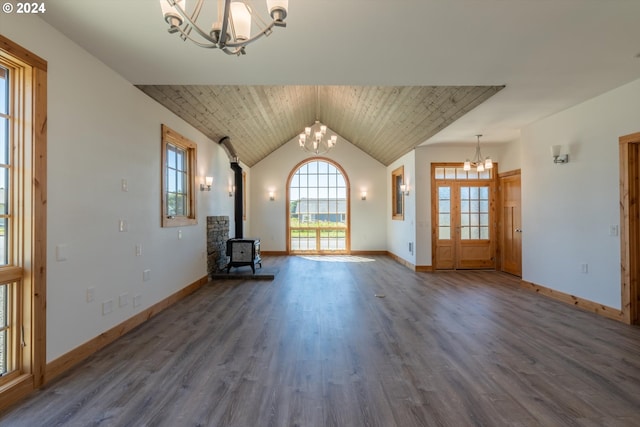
[630,225]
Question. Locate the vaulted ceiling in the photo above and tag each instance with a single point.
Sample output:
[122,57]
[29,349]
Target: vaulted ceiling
[390,74]
[384,121]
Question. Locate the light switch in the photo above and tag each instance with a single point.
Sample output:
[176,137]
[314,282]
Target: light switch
[61,253]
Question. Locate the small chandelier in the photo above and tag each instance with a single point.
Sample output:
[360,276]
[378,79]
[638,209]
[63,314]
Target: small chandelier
[478,161]
[315,142]
[231,30]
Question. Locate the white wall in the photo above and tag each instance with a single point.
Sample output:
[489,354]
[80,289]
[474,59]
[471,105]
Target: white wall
[568,209]
[268,218]
[401,233]
[101,129]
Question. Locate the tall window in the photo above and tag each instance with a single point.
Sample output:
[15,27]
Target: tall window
[397,197]
[178,179]
[23,83]
[318,208]
[6,329]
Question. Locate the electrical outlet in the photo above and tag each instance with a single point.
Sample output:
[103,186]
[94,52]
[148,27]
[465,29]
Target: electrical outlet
[107,307]
[124,185]
[138,249]
[137,300]
[61,253]
[584,268]
[91,294]
[179,234]
[613,230]
[123,300]
[146,275]
[122,225]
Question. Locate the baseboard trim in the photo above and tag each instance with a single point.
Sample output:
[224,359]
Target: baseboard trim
[274,253]
[401,260]
[67,361]
[594,307]
[424,268]
[368,253]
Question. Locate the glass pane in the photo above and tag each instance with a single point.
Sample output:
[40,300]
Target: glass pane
[313,168]
[4,241]
[444,206]
[171,204]
[464,233]
[484,206]
[180,159]
[464,193]
[439,173]
[4,193]
[4,300]
[180,205]
[180,183]
[171,181]
[464,206]
[474,206]
[444,233]
[475,233]
[444,193]
[484,220]
[171,156]
[4,140]
[4,90]
[473,174]
[484,193]
[474,219]
[450,173]
[461,173]
[485,174]
[474,193]
[444,219]
[484,233]
[464,219]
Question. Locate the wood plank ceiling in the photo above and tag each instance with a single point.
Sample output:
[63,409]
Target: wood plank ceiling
[384,121]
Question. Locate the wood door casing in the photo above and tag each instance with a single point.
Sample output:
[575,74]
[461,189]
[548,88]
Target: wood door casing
[511,226]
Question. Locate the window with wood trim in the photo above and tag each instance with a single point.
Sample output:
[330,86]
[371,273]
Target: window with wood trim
[397,196]
[178,179]
[23,102]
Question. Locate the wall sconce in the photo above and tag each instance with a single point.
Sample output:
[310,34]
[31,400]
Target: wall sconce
[272,195]
[404,189]
[363,195]
[232,189]
[557,157]
[208,182]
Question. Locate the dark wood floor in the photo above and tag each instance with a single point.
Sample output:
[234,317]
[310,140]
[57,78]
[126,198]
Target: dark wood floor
[317,347]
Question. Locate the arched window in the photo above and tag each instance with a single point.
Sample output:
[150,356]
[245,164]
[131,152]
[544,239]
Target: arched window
[318,217]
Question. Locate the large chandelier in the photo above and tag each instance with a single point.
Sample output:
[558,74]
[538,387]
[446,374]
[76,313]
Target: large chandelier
[230,31]
[315,139]
[478,161]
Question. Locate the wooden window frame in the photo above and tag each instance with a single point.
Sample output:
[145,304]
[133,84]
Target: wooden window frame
[171,137]
[26,273]
[397,197]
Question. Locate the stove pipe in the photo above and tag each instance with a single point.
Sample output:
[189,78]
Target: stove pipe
[238,195]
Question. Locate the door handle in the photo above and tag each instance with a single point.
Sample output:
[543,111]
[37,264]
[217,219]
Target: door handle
[518,230]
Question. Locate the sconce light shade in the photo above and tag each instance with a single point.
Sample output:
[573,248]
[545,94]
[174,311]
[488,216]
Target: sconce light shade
[363,195]
[208,182]
[404,189]
[232,189]
[556,151]
[272,195]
